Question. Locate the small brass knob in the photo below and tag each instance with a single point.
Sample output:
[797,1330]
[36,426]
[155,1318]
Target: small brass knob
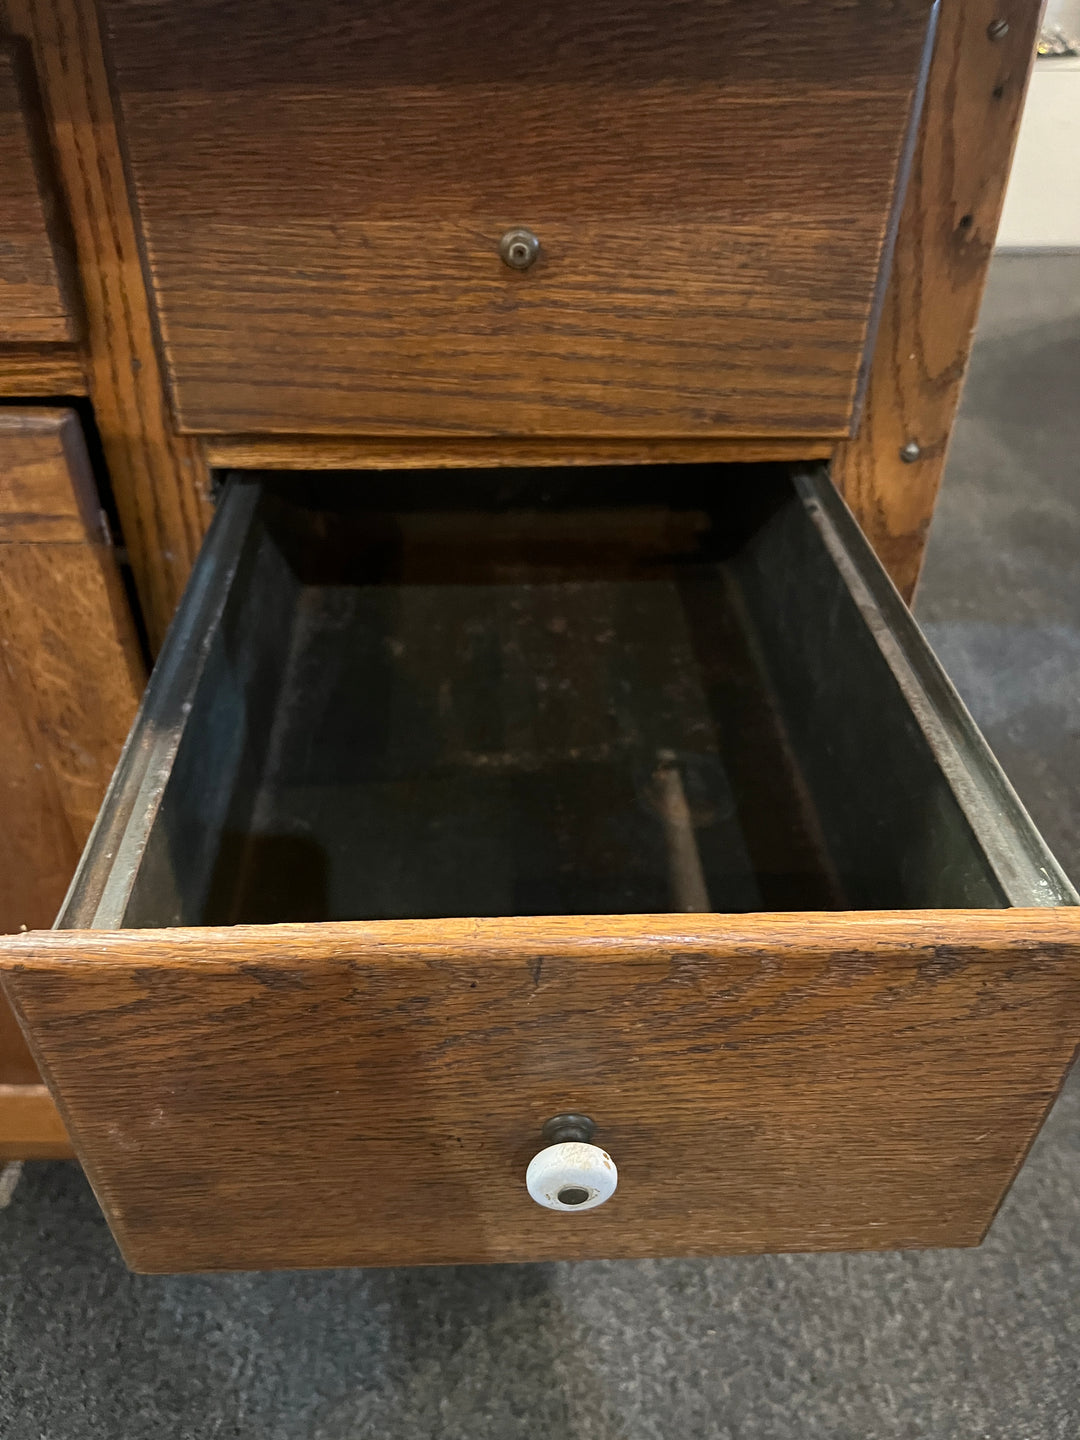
[519,248]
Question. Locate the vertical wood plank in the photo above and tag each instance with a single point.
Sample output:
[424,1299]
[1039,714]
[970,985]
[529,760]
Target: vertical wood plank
[158,478]
[974,99]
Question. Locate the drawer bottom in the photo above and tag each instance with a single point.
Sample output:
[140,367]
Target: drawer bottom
[571,726]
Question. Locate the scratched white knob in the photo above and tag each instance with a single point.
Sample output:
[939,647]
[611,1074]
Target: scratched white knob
[571,1176]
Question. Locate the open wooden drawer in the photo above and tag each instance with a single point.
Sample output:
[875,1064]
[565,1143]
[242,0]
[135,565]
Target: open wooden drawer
[631,793]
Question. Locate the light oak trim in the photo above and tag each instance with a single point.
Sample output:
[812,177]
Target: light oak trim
[267,452]
[971,117]
[30,1125]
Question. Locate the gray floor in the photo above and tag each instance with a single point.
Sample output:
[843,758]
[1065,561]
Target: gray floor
[975,1344]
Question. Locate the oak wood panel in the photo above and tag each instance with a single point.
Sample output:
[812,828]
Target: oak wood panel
[30,1125]
[971,115]
[30,371]
[370,1093]
[322,188]
[17,1067]
[70,677]
[298,452]
[38,855]
[158,478]
[33,304]
[38,849]
[47,489]
[69,641]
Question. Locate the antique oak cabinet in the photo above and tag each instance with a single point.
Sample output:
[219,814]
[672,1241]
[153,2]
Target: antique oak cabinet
[510,435]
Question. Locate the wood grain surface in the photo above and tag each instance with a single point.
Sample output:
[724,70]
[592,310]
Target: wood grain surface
[70,678]
[30,1125]
[33,304]
[299,452]
[69,644]
[38,848]
[371,1093]
[322,188]
[971,115]
[48,372]
[159,479]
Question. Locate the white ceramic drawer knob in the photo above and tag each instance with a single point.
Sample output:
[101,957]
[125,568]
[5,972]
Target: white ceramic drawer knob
[571,1174]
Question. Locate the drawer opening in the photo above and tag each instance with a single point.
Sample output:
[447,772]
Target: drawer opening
[633,690]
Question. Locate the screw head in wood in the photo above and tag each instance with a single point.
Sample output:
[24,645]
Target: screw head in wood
[910,452]
[997,29]
[519,248]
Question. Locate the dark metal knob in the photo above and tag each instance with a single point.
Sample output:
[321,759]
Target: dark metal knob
[519,248]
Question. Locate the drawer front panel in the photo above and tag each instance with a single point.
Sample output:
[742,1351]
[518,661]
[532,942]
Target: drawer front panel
[372,1094]
[322,191]
[35,303]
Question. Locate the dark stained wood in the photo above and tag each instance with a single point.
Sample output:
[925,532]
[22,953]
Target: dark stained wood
[33,304]
[322,188]
[971,115]
[70,677]
[291,452]
[158,479]
[48,371]
[371,1093]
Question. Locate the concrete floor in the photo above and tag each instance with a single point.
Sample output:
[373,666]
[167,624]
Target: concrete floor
[983,1345]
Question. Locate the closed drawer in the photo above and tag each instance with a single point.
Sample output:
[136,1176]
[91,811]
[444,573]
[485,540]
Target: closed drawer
[638,796]
[322,189]
[35,257]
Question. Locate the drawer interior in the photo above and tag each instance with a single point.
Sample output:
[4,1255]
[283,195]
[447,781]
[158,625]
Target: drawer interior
[550,692]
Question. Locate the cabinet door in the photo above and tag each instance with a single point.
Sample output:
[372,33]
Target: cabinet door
[70,677]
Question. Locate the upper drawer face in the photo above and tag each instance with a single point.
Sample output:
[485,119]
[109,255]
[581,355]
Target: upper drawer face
[33,306]
[323,186]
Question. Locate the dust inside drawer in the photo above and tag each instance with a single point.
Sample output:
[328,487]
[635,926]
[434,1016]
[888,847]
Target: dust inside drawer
[554,692]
